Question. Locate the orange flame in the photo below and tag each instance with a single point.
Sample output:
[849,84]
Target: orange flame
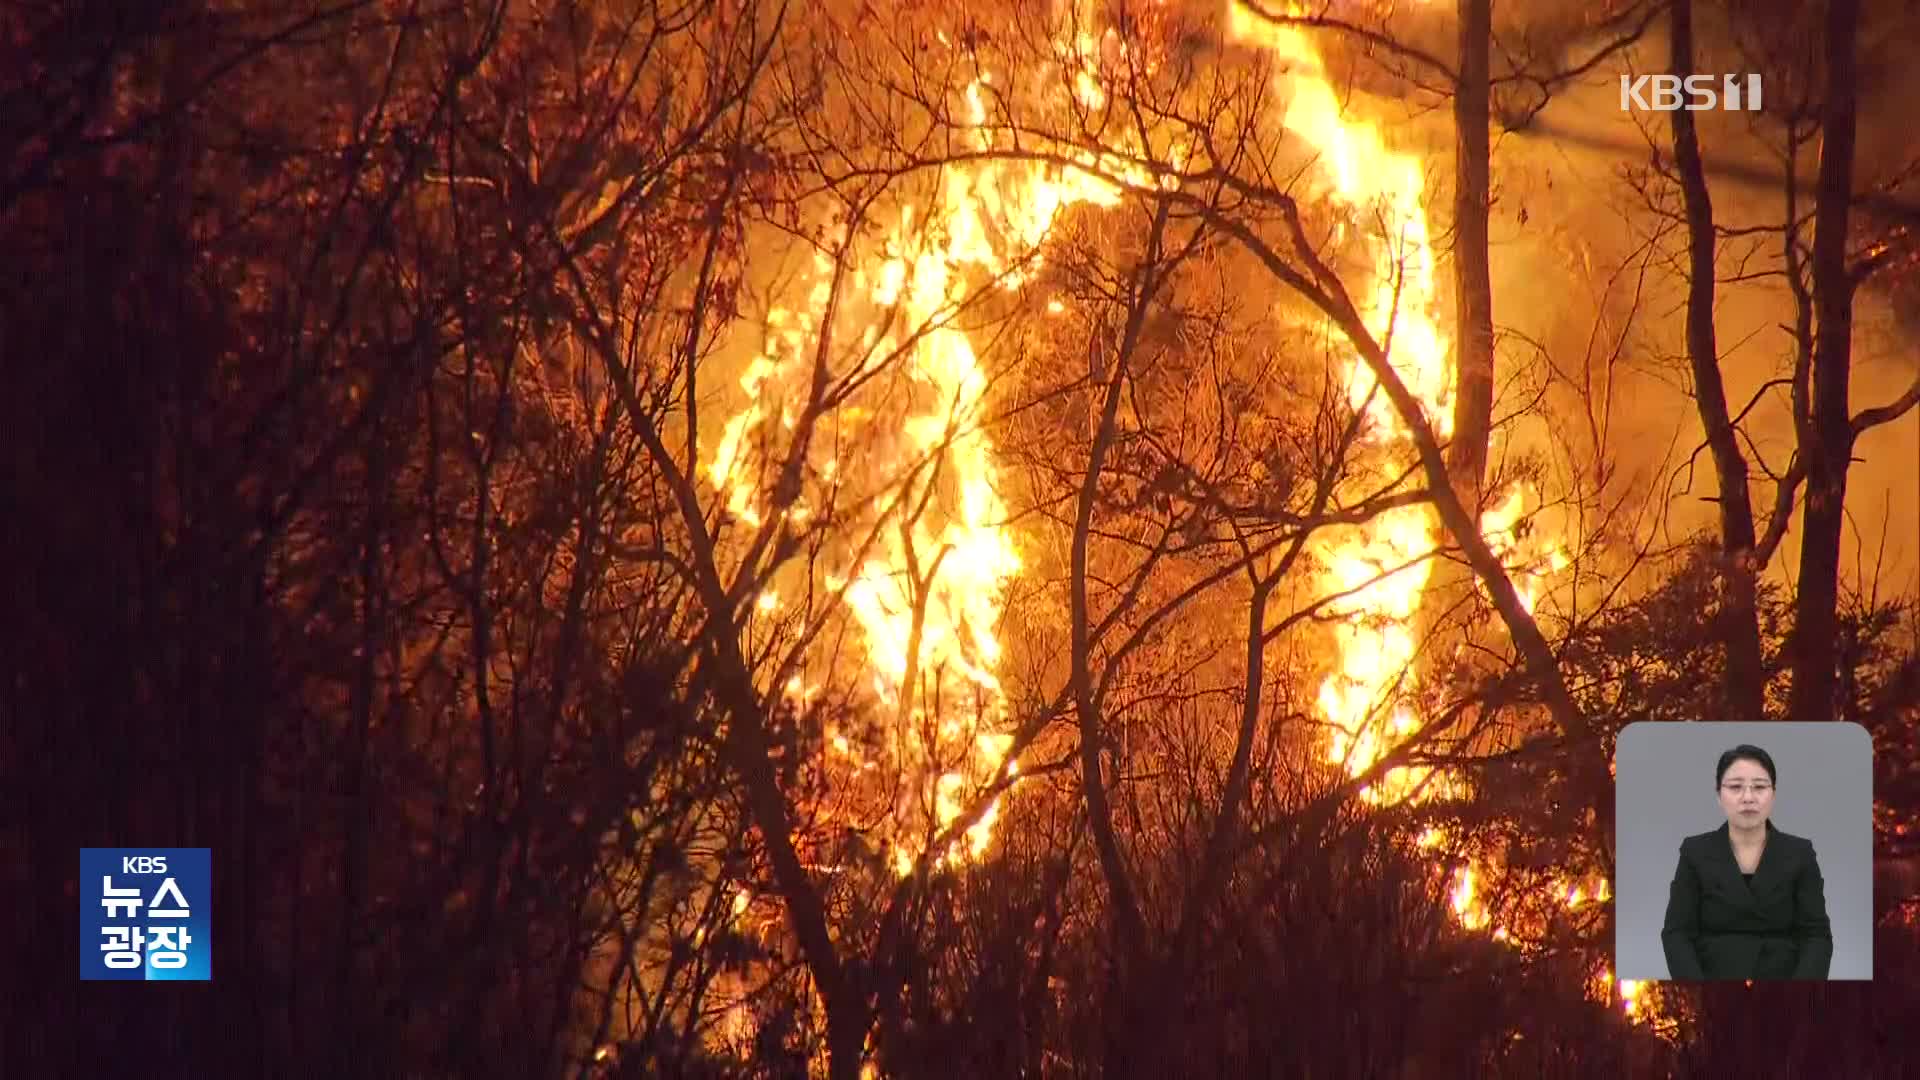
[944,549]
[1383,564]
[1375,644]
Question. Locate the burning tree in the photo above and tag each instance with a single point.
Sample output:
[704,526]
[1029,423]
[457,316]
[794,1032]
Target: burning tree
[1307,474]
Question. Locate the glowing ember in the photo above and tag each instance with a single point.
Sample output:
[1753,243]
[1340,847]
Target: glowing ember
[1630,993]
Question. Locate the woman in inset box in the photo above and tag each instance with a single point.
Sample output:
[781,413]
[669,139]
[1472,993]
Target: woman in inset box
[1747,900]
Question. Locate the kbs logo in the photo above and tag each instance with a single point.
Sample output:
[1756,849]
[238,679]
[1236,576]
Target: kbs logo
[1695,93]
[146,914]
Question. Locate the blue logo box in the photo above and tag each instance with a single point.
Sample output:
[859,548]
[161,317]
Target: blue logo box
[146,913]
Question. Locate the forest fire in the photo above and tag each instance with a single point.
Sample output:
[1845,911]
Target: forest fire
[872,539]
[1379,185]
[928,596]
[1385,565]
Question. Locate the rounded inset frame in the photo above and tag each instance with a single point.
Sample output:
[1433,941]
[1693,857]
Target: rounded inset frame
[1743,851]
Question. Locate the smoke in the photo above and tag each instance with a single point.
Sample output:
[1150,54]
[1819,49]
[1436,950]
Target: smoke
[1570,238]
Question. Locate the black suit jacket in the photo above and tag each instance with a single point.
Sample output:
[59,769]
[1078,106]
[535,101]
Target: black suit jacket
[1720,927]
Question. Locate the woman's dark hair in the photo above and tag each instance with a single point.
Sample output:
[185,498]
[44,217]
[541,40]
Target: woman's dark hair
[1744,752]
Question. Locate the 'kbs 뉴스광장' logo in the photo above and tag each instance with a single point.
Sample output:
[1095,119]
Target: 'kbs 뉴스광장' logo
[146,913]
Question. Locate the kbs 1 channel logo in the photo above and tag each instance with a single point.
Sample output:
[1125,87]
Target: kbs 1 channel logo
[146,913]
[1695,93]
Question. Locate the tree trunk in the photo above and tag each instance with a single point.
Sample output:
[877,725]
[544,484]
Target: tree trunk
[1472,280]
[1831,446]
[1745,680]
